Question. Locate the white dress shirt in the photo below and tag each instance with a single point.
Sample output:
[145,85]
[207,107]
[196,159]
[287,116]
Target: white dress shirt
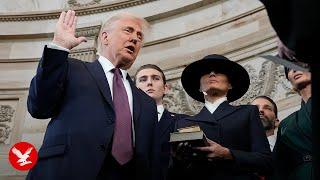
[272,141]
[160,110]
[213,106]
[107,66]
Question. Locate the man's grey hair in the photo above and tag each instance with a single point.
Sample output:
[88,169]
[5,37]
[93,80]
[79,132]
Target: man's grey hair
[108,25]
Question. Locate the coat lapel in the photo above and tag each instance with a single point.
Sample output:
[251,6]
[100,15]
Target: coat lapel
[99,76]
[136,103]
[204,115]
[165,121]
[223,110]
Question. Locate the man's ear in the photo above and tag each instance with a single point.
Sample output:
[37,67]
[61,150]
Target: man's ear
[276,122]
[167,88]
[230,86]
[104,38]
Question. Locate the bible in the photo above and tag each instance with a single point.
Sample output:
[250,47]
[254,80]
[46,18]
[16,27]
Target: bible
[184,141]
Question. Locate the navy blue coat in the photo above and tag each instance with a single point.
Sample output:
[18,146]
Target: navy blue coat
[236,127]
[77,97]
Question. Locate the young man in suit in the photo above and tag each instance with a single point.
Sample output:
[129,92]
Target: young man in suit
[101,125]
[151,79]
[237,147]
[268,112]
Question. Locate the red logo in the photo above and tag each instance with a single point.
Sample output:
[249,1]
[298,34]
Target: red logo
[23,156]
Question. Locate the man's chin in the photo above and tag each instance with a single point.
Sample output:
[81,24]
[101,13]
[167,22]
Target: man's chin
[129,56]
[301,85]
[127,62]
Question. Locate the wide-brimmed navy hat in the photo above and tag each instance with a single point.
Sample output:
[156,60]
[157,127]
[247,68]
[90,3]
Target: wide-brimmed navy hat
[238,77]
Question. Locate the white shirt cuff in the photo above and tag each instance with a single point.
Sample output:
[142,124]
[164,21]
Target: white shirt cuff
[55,46]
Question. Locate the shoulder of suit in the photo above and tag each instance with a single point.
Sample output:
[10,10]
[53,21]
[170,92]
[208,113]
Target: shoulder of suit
[177,116]
[247,106]
[287,120]
[144,96]
[170,113]
[76,61]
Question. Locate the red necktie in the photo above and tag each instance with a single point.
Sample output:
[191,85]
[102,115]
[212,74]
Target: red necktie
[122,148]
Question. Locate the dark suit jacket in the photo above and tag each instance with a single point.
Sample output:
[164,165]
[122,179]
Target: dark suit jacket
[77,97]
[238,128]
[166,125]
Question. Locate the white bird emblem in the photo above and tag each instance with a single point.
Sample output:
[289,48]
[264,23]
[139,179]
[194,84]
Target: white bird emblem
[22,157]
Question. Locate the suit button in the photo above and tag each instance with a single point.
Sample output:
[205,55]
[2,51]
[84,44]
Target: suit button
[102,147]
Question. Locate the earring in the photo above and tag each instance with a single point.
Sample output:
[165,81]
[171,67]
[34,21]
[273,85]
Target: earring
[203,92]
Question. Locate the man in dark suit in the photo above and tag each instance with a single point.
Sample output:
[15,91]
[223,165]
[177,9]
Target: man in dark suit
[101,125]
[268,112]
[151,79]
[237,147]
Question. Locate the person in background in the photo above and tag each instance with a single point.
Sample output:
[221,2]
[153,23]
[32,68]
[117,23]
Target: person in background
[151,79]
[269,116]
[293,150]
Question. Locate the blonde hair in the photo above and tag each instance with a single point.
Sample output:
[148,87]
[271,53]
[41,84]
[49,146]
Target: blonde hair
[108,25]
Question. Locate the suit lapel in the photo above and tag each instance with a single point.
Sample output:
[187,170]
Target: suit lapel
[204,115]
[99,76]
[136,103]
[165,121]
[223,110]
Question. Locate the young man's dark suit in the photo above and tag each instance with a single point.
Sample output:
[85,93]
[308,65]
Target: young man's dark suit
[237,128]
[78,139]
[166,126]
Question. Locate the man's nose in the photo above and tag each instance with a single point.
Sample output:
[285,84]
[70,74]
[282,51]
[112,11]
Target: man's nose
[149,82]
[261,111]
[134,39]
[293,71]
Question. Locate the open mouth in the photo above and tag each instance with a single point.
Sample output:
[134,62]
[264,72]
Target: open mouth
[130,49]
[297,76]
[150,91]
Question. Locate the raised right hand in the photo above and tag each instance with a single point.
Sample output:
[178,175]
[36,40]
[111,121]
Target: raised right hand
[64,34]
